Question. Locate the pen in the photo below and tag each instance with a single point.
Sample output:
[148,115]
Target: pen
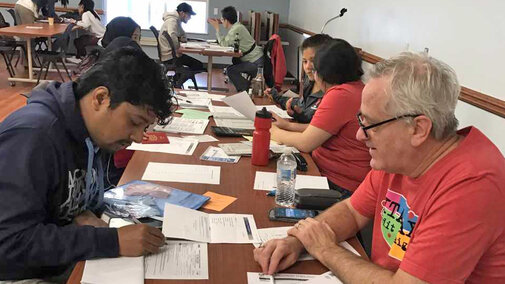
[271,192]
[267,277]
[248,228]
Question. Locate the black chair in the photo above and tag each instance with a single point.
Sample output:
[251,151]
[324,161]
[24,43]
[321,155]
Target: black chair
[58,54]
[173,66]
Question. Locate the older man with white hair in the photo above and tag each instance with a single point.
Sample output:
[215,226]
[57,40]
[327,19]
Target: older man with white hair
[435,194]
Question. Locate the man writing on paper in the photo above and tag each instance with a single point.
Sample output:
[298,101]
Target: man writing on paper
[51,175]
[172,25]
[436,194]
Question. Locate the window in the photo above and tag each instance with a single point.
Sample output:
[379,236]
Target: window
[150,12]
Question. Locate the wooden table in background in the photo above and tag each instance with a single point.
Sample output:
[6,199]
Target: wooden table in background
[29,31]
[210,55]
[228,263]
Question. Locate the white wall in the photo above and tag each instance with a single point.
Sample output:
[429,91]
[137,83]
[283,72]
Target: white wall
[466,34]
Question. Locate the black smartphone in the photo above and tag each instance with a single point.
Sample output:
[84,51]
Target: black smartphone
[290,214]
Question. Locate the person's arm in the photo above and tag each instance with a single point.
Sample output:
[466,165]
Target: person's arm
[29,178]
[306,141]
[229,38]
[279,254]
[287,125]
[85,22]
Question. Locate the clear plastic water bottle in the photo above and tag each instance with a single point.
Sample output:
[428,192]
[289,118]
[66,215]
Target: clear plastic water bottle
[286,177]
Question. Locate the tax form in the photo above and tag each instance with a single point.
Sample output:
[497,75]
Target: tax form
[184,125]
[184,223]
[182,173]
[177,146]
[242,103]
[178,260]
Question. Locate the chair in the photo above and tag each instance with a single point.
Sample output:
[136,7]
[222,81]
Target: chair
[173,66]
[58,53]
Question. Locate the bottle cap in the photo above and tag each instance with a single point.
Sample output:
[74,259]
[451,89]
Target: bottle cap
[263,113]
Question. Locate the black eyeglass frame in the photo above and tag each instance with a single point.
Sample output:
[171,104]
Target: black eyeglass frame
[365,128]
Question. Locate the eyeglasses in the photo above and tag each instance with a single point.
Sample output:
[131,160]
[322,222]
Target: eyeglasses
[365,128]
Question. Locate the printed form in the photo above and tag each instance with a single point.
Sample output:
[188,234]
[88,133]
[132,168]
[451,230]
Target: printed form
[184,223]
[182,173]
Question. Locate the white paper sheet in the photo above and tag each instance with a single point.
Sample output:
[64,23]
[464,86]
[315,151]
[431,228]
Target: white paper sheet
[325,278]
[268,181]
[200,138]
[225,112]
[184,223]
[182,173]
[184,125]
[242,103]
[203,95]
[176,146]
[275,109]
[235,123]
[284,278]
[127,270]
[186,102]
[291,94]
[178,260]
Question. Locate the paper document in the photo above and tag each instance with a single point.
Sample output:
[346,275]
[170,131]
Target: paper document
[325,278]
[225,112]
[182,173]
[195,45]
[203,95]
[177,146]
[235,123]
[268,181]
[193,113]
[243,104]
[290,94]
[191,103]
[275,109]
[219,48]
[284,278]
[184,125]
[183,223]
[218,201]
[216,154]
[127,270]
[200,138]
[178,260]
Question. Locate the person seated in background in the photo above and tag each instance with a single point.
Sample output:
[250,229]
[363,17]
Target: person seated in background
[435,194]
[27,11]
[120,26]
[302,109]
[172,25]
[51,175]
[252,55]
[90,22]
[331,134]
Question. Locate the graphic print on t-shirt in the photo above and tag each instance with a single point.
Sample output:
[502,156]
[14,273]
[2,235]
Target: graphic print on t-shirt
[398,222]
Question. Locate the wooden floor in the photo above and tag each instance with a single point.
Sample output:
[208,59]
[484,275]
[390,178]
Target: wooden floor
[11,98]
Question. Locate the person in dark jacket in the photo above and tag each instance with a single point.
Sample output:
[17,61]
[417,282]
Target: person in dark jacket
[303,108]
[51,175]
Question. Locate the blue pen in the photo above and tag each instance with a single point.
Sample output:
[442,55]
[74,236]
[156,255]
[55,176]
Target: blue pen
[248,228]
[271,192]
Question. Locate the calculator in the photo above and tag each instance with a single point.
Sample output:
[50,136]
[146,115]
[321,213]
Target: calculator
[231,132]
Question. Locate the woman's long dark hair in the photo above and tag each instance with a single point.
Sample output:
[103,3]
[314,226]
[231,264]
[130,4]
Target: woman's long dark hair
[89,6]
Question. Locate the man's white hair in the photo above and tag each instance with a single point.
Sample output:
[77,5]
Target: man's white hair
[421,85]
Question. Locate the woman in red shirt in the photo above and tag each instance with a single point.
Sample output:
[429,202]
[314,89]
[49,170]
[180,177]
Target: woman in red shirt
[331,134]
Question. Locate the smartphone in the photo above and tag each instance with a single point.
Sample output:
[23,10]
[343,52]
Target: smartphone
[290,214]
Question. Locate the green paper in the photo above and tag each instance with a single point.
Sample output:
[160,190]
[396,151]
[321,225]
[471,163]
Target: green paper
[193,114]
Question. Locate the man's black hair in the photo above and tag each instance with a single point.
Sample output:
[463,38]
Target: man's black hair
[229,13]
[131,76]
[338,62]
[316,41]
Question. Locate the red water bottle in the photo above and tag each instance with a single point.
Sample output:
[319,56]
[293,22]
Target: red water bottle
[261,137]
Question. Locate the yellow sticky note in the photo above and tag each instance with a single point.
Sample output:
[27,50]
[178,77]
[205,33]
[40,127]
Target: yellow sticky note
[217,201]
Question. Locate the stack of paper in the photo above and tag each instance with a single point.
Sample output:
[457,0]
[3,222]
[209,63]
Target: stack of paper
[193,103]
[267,181]
[202,95]
[177,146]
[236,149]
[184,125]
[225,112]
[184,223]
[235,123]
